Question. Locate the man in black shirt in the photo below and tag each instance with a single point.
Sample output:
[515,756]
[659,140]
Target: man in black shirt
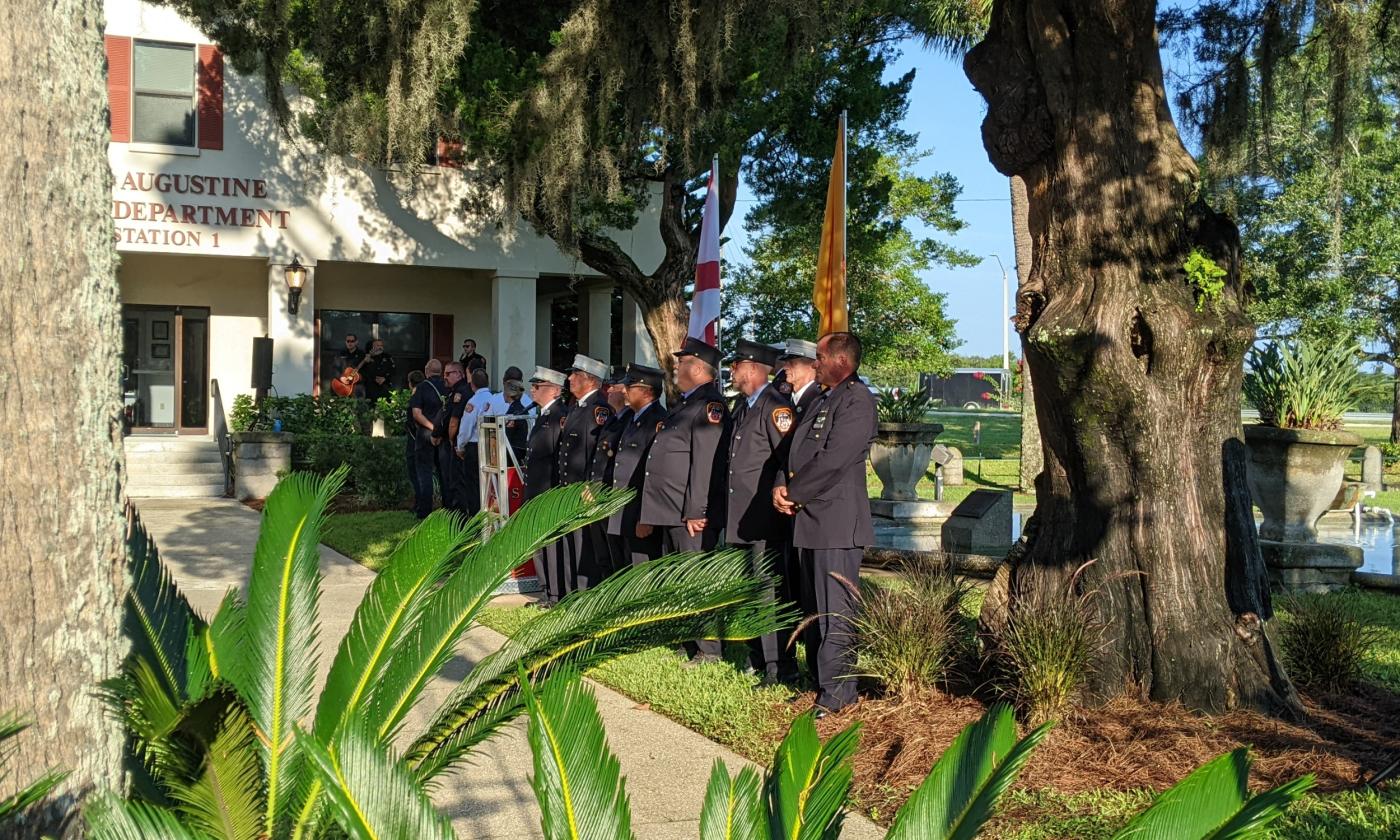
[644,413]
[542,472]
[425,419]
[349,359]
[470,358]
[378,373]
[452,496]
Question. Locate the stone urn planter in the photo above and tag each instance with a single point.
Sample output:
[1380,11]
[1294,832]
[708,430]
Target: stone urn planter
[900,455]
[257,459]
[1294,474]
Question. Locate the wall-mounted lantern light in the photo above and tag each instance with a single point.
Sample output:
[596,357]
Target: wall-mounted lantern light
[295,275]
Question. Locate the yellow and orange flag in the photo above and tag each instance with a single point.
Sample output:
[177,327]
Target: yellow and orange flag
[829,293]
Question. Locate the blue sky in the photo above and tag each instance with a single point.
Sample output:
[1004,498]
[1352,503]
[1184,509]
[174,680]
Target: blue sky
[946,113]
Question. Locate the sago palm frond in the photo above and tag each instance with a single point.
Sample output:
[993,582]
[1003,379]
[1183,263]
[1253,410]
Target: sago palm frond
[809,781]
[577,780]
[156,616]
[20,801]
[450,611]
[960,793]
[390,608]
[141,700]
[110,818]
[222,639]
[1213,802]
[372,794]
[276,663]
[733,807]
[225,801]
[664,602]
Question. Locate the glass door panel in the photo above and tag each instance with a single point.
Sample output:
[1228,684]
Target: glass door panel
[194,370]
[148,367]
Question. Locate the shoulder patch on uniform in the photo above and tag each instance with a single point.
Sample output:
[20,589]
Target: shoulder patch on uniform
[470,408]
[714,412]
[782,419]
[457,398]
[602,414]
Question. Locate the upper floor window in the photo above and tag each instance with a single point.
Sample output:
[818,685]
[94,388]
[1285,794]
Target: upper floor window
[163,94]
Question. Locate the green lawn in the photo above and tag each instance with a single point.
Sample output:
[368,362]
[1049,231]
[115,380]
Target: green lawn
[368,537]
[1001,433]
[994,474]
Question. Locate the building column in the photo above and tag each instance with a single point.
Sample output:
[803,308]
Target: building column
[293,336]
[514,317]
[637,345]
[597,303]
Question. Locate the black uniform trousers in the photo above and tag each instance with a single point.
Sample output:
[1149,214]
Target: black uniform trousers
[770,654]
[676,539]
[552,566]
[593,562]
[830,635]
[466,480]
[636,550]
[427,462]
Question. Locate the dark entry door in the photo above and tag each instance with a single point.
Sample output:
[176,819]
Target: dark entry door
[165,369]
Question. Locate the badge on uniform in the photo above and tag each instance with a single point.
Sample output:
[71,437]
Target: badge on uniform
[563,419]
[782,418]
[660,424]
[601,415]
[714,412]
[820,421]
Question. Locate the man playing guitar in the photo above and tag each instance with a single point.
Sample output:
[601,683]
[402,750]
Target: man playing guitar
[349,362]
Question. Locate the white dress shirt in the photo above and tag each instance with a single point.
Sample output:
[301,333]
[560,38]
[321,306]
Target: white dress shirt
[471,417]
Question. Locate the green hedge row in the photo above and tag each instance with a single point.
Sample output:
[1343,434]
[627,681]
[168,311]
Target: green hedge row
[378,473]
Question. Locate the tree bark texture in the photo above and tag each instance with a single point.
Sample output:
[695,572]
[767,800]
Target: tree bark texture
[1032,459]
[1137,382]
[61,525]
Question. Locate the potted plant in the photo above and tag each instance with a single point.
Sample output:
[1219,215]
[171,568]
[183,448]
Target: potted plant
[1298,451]
[903,443]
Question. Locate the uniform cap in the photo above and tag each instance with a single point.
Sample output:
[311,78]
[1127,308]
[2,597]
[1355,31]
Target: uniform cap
[589,365]
[753,351]
[643,375]
[799,348]
[699,349]
[544,374]
[615,377]
[513,386]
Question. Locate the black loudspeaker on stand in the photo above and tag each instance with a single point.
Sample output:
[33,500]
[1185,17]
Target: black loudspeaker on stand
[262,366]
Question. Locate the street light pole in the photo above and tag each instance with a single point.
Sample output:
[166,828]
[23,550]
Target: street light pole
[1005,319]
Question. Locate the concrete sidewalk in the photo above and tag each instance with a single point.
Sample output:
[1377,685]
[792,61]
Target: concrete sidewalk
[208,545]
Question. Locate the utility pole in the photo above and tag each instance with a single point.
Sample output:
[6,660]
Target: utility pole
[1005,324]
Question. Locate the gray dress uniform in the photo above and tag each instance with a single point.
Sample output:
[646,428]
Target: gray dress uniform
[685,479]
[628,470]
[541,473]
[825,478]
[757,451]
[578,443]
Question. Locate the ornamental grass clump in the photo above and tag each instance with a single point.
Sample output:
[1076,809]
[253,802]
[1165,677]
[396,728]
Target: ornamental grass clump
[909,632]
[1324,641]
[1305,384]
[1046,652]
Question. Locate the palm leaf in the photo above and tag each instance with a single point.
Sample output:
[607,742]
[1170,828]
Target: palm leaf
[664,602]
[960,793]
[157,617]
[371,792]
[390,608]
[578,782]
[150,716]
[21,800]
[109,818]
[733,808]
[276,664]
[226,800]
[223,638]
[809,781]
[451,610]
[1213,802]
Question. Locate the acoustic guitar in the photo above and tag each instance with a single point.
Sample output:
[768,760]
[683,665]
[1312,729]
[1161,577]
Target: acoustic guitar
[344,385]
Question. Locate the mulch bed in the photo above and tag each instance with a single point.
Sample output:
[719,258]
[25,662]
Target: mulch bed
[1128,745]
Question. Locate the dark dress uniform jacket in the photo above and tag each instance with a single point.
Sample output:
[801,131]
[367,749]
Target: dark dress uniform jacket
[629,466]
[809,396]
[756,455]
[826,469]
[685,470]
[578,440]
[541,466]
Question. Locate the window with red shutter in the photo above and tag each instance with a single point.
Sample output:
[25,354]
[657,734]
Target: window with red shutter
[211,97]
[119,88]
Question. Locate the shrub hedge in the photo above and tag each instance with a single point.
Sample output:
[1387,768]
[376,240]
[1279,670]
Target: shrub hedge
[378,473]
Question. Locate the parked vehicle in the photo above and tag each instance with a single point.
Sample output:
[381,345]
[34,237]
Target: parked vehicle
[970,388]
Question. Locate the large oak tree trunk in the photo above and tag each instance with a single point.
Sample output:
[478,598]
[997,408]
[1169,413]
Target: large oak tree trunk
[1136,387]
[1032,461]
[61,523]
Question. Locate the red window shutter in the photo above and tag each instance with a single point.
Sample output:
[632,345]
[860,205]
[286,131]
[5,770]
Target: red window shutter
[442,338]
[119,88]
[448,153]
[211,97]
